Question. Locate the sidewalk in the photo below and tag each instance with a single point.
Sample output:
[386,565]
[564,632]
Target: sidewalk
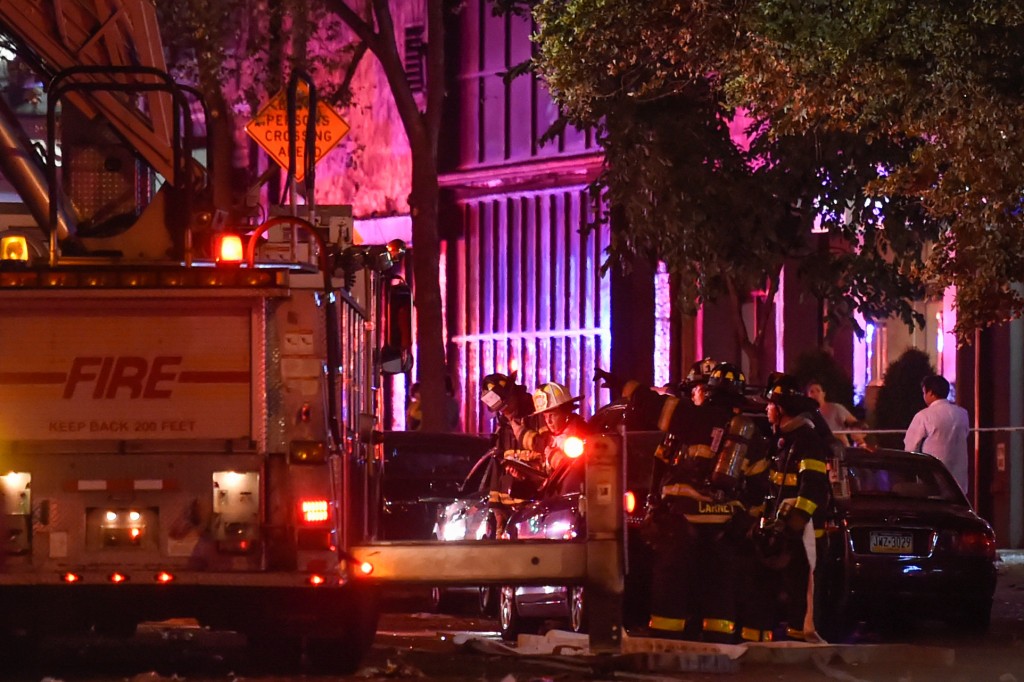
[1011,556]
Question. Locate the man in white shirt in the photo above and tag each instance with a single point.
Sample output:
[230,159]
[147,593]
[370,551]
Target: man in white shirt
[941,429]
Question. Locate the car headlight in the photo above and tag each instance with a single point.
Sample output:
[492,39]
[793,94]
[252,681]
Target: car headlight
[454,530]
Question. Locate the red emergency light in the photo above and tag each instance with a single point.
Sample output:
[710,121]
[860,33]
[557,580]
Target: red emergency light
[228,249]
[573,447]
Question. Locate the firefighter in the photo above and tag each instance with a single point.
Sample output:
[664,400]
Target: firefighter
[694,510]
[695,385]
[792,536]
[511,404]
[513,408]
[556,407]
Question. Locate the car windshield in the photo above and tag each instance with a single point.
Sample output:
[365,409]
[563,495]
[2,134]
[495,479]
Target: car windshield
[903,479]
[414,464]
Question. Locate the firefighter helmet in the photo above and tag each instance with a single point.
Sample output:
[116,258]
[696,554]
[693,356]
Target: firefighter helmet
[727,378]
[496,391]
[698,374]
[786,392]
[552,395]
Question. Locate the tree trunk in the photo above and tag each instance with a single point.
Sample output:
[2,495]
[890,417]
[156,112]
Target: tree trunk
[421,129]
[430,357]
[753,348]
[221,127]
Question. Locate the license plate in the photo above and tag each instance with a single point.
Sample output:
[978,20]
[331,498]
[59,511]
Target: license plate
[891,543]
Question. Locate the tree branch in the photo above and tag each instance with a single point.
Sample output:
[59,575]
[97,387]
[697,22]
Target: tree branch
[357,56]
[435,71]
[394,70]
[738,326]
[768,309]
[360,26]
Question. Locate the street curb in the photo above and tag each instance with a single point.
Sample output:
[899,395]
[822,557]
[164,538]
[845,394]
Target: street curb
[1014,556]
[656,655]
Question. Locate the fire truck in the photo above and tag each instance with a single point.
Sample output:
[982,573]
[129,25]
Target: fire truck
[179,401]
[188,407]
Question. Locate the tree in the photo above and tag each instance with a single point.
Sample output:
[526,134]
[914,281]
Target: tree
[900,398]
[377,31]
[944,79]
[237,53]
[240,50]
[718,195]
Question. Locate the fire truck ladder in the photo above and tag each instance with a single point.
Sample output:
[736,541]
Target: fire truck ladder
[104,33]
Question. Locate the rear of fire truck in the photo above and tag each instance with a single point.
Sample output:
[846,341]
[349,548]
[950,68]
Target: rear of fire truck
[177,412]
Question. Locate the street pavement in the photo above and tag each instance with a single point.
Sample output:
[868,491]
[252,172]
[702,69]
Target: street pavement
[414,645]
[408,645]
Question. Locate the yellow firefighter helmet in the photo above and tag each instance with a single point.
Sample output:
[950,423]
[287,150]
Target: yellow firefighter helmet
[552,395]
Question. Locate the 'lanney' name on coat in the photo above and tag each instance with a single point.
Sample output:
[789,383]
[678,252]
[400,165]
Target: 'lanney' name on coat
[714,508]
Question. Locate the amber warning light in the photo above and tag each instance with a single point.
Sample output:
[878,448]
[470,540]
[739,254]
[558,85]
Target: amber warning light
[14,247]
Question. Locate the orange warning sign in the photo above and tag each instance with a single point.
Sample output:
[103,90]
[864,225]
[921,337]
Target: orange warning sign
[270,128]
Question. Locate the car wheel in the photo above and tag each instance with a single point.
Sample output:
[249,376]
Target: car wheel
[487,601]
[577,609]
[512,624]
[440,600]
[973,617]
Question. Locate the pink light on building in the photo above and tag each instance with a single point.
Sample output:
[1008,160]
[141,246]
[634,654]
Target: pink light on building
[947,339]
[662,325]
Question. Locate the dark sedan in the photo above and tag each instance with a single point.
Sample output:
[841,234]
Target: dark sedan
[907,543]
[421,472]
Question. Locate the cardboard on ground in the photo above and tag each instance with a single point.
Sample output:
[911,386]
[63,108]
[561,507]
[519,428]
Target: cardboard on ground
[270,128]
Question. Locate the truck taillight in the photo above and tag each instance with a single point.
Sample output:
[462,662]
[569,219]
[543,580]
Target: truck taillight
[314,512]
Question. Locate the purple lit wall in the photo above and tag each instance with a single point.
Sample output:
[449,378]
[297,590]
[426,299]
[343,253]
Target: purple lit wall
[530,296]
[524,287]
